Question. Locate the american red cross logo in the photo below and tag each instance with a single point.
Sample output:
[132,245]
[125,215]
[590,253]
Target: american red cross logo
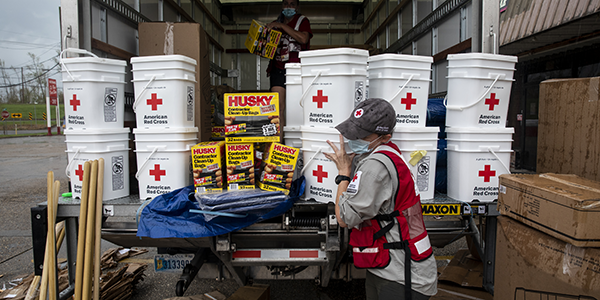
[355,177]
[157,172]
[409,101]
[154,101]
[492,101]
[487,172]
[75,102]
[320,174]
[319,99]
[79,172]
[358,113]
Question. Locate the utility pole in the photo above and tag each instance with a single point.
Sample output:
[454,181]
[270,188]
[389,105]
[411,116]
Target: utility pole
[22,87]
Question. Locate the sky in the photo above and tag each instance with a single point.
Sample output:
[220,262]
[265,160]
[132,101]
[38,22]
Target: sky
[29,26]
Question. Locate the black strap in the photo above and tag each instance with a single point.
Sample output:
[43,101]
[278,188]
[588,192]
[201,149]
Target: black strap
[407,259]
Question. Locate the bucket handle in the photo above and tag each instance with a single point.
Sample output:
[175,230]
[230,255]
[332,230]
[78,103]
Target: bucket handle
[308,88]
[402,88]
[137,99]
[73,50]
[310,160]
[497,157]
[68,169]
[478,100]
[137,174]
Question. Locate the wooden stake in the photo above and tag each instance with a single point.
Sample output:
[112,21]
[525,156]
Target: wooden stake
[89,233]
[98,232]
[52,224]
[44,279]
[33,288]
[81,231]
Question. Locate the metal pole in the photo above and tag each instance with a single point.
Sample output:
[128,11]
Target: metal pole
[48,116]
[22,87]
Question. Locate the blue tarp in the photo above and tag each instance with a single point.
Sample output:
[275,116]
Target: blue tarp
[169,216]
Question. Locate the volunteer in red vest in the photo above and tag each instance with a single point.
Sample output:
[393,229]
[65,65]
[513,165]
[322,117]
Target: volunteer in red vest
[379,201]
[296,35]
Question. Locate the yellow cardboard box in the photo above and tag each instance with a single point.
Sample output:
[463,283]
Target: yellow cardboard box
[208,160]
[262,40]
[279,163]
[251,117]
[240,166]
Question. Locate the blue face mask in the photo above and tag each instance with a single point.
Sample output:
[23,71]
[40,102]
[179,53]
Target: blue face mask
[289,12]
[361,146]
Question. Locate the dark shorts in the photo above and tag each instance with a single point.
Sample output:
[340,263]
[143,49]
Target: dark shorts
[277,77]
[378,288]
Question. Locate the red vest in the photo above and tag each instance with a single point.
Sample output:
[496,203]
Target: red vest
[371,247]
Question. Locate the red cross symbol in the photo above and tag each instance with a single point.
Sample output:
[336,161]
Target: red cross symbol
[492,101]
[79,172]
[157,172]
[409,101]
[355,177]
[487,172]
[319,99]
[358,113]
[74,102]
[320,174]
[154,102]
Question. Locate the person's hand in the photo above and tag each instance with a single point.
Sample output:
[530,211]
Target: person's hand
[342,160]
[275,25]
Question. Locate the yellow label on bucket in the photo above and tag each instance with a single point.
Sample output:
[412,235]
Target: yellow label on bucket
[251,117]
[416,156]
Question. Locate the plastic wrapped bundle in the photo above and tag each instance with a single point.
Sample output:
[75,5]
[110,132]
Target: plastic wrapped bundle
[240,201]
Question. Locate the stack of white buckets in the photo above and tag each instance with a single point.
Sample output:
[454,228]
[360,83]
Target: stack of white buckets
[164,109]
[478,143]
[327,85]
[94,112]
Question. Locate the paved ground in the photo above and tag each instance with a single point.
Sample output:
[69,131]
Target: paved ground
[24,164]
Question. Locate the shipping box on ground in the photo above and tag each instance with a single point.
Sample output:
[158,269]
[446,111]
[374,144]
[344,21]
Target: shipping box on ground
[189,39]
[566,207]
[569,127]
[533,265]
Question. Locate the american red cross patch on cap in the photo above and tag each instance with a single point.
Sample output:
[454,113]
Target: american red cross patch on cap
[358,113]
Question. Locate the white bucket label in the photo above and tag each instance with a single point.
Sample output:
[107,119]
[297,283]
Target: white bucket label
[190,103]
[110,104]
[75,102]
[322,192]
[486,174]
[409,101]
[359,92]
[422,174]
[154,102]
[157,173]
[493,118]
[118,173]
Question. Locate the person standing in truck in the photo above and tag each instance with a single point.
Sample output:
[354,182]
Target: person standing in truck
[380,203]
[296,35]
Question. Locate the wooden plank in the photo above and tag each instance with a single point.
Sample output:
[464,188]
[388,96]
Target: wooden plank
[458,48]
[544,138]
[577,129]
[588,141]
[568,127]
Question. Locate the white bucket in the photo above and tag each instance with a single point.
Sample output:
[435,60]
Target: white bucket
[408,95]
[293,92]
[97,139]
[344,57]
[93,90]
[479,86]
[292,136]
[164,159]
[318,170]
[476,157]
[328,100]
[116,167]
[411,140]
[400,65]
[164,91]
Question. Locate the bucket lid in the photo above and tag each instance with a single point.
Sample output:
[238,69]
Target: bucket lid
[485,56]
[292,66]
[483,130]
[162,130]
[96,131]
[333,51]
[401,57]
[291,129]
[320,129]
[94,60]
[433,129]
[162,58]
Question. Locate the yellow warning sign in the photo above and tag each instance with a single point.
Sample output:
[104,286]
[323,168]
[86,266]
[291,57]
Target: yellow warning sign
[16,115]
[440,209]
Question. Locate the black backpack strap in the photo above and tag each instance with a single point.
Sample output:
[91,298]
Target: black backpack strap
[387,217]
[407,274]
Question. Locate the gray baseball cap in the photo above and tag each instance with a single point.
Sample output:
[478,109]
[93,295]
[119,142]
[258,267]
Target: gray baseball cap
[373,115]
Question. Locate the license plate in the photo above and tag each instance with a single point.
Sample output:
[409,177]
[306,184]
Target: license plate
[171,263]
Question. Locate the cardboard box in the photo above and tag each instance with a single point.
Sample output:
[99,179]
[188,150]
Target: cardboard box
[566,207]
[189,39]
[533,265]
[262,40]
[254,292]
[569,127]
[240,166]
[208,166]
[279,163]
[252,117]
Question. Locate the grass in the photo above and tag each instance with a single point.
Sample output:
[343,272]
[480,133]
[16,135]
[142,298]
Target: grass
[37,113]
